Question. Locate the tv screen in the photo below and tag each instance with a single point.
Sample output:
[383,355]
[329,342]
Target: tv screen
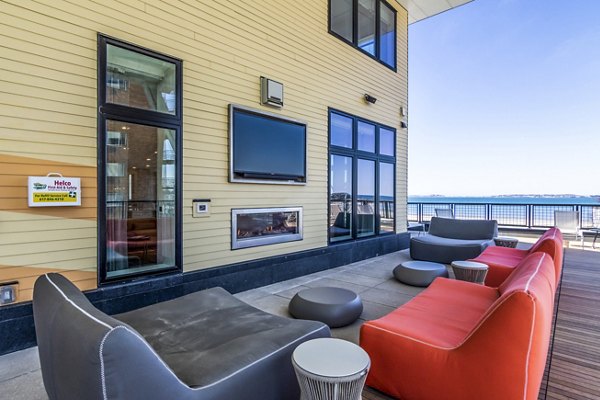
[266,147]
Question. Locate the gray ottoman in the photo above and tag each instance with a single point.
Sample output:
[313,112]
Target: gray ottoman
[419,273]
[333,306]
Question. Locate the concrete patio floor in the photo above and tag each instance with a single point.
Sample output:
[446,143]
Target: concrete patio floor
[20,375]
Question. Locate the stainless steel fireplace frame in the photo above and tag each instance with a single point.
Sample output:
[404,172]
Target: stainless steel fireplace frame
[268,239]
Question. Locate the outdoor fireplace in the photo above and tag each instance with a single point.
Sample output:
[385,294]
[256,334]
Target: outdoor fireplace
[261,226]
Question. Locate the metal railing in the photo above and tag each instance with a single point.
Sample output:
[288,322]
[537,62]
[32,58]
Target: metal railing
[139,208]
[529,216]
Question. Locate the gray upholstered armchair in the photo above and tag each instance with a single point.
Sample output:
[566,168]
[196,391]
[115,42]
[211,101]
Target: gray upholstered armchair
[205,345]
[453,239]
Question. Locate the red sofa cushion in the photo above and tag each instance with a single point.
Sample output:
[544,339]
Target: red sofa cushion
[441,315]
[503,260]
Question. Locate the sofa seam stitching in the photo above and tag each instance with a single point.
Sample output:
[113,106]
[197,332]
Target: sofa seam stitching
[75,305]
[529,349]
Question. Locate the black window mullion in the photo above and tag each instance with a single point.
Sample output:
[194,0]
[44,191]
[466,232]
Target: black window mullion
[365,155]
[376,210]
[343,151]
[395,198]
[395,47]
[354,196]
[329,16]
[377,161]
[101,187]
[377,32]
[355,23]
[138,115]
[354,172]
[377,128]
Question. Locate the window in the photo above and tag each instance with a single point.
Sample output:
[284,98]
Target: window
[139,149]
[369,25]
[362,177]
[340,18]
[387,35]
[367,20]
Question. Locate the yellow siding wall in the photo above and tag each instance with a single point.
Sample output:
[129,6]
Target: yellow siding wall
[48,112]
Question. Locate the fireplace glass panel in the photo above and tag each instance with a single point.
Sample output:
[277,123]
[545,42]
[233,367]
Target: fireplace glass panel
[257,227]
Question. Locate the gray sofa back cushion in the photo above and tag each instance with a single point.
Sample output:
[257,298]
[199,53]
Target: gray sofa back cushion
[71,367]
[463,229]
[86,354]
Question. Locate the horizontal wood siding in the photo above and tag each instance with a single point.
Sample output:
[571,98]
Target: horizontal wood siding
[48,109]
[34,241]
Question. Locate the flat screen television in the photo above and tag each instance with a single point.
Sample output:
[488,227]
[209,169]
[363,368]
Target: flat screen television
[266,148]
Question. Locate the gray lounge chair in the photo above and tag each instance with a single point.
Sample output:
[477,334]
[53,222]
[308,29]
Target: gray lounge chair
[206,345]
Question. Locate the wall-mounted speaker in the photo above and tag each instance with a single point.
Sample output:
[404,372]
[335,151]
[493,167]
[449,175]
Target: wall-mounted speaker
[271,92]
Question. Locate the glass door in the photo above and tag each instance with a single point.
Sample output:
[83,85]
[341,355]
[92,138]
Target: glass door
[140,198]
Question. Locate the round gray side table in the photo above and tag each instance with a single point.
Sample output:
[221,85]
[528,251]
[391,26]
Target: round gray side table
[333,306]
[330,369]
[419,273]
[470,271]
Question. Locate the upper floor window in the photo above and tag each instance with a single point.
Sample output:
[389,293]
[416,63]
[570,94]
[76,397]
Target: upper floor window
[369,25]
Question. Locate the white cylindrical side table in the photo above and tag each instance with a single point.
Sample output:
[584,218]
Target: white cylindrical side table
[470,271]
[330,369]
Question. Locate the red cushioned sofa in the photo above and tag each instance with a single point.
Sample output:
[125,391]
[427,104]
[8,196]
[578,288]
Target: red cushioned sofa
[503,260]
[460,340]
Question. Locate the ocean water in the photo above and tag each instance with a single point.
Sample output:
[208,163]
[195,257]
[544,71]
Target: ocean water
[517,211]
[590,200]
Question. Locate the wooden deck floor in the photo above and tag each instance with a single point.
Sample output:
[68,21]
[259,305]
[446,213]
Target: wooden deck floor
[573,368]
[575,364]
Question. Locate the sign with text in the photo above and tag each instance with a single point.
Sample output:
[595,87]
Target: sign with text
[53,191]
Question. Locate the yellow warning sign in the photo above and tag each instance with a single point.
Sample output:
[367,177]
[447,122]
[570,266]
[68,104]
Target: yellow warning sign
[56,197]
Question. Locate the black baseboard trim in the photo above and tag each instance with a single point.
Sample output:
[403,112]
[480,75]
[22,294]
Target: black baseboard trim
[16,321]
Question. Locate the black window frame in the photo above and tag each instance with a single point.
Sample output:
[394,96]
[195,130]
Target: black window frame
[354,42]
[118,112]
[356,154]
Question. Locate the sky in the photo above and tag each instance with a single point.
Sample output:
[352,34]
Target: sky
[504,98]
